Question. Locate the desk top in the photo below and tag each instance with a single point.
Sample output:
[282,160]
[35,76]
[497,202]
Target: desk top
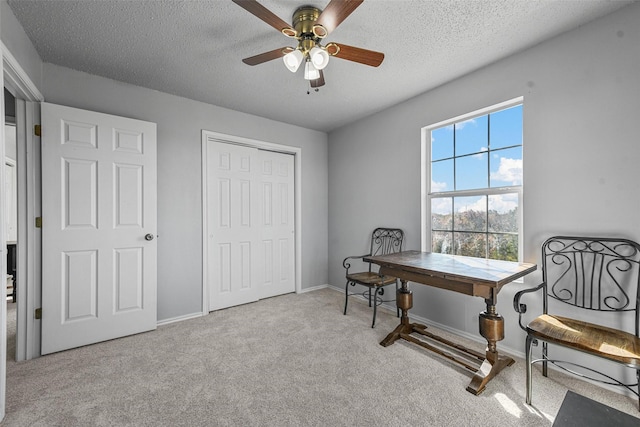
[471,270]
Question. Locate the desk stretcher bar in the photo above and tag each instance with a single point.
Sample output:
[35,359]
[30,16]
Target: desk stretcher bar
[469,276]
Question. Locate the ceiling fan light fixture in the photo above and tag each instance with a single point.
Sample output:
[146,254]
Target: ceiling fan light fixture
[311,72]
[320,31]
[289,32]
[319,57]
[292,60]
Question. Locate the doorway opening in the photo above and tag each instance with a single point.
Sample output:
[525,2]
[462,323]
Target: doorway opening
[11,219]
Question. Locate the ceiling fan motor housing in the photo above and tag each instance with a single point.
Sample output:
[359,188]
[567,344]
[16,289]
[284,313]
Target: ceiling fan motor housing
[304,19]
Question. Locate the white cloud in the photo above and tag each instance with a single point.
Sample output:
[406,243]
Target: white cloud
[503,203]
[437,187]
[478,205]
[480,155]
[461,125]
[510,170]
[441,205]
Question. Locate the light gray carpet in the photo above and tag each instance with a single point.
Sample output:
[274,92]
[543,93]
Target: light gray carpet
[293,360]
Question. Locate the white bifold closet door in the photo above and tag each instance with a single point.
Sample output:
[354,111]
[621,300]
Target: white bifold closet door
[251,233]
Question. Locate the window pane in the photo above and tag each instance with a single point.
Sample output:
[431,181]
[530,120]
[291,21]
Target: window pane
[472,172]
[503,246]
[506,167]
[442,143]
[506,127]
[503,213]
[470,244]
[471,136]
[442,176]
[441,242]
[442,213]
[479,155]
[470,213]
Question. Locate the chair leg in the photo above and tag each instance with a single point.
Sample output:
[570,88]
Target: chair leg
[544,359]
[527,351]
[370,297]
[346,297]
[375,306]
[638,378]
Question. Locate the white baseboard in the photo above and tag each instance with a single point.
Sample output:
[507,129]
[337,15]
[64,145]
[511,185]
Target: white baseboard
[180,318]
[313,288]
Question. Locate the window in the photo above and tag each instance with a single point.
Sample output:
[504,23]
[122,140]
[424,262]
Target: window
[472,178]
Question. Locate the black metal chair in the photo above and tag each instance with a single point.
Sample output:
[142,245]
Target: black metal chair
[383,241]
[594,276]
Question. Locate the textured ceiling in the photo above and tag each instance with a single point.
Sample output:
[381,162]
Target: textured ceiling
[194,48]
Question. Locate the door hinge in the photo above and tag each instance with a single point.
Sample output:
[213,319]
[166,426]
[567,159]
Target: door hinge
[37,130]
[38,222]
[38,314]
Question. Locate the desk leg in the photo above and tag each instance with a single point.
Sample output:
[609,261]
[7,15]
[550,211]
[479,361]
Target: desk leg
[491,328]
[404,301]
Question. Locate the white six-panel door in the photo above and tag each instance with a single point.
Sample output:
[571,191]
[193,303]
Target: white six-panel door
[250,224]
[276,199]
[233,224]
[99,225]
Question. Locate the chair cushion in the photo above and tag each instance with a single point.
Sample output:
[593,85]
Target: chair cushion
[371,279]
[598,340]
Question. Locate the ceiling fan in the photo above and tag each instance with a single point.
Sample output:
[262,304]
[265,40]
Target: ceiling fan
[310,26]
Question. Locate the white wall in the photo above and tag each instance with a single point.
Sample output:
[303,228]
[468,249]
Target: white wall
[16,40]
[180,122]
[581,155]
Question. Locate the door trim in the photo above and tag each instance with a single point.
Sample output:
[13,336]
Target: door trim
[16,80]
[261,145]
[29,237]
[28,97]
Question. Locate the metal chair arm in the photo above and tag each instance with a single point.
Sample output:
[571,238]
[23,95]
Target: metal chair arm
[347,265]
[522,308]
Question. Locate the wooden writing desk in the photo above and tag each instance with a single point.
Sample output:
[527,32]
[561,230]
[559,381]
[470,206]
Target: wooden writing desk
[470,276]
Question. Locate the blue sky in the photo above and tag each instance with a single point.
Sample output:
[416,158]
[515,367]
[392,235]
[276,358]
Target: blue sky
[488,162]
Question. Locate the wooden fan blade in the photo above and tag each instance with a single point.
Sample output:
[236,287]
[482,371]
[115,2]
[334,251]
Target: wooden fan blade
[255,8]
[319,81]
[356,54]
[267,56]
[332,15]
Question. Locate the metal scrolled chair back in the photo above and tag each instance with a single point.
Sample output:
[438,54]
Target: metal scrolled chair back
[384,241]
[593,274]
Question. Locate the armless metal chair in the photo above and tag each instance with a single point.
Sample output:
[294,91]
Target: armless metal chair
[383,241]
[599,277]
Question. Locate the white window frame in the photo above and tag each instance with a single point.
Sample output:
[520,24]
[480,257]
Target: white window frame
[427,194]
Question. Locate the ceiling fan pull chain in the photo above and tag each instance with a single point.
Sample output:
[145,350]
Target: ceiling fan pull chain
[317,89]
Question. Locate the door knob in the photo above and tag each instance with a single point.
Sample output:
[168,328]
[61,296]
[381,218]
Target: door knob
[148,237]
